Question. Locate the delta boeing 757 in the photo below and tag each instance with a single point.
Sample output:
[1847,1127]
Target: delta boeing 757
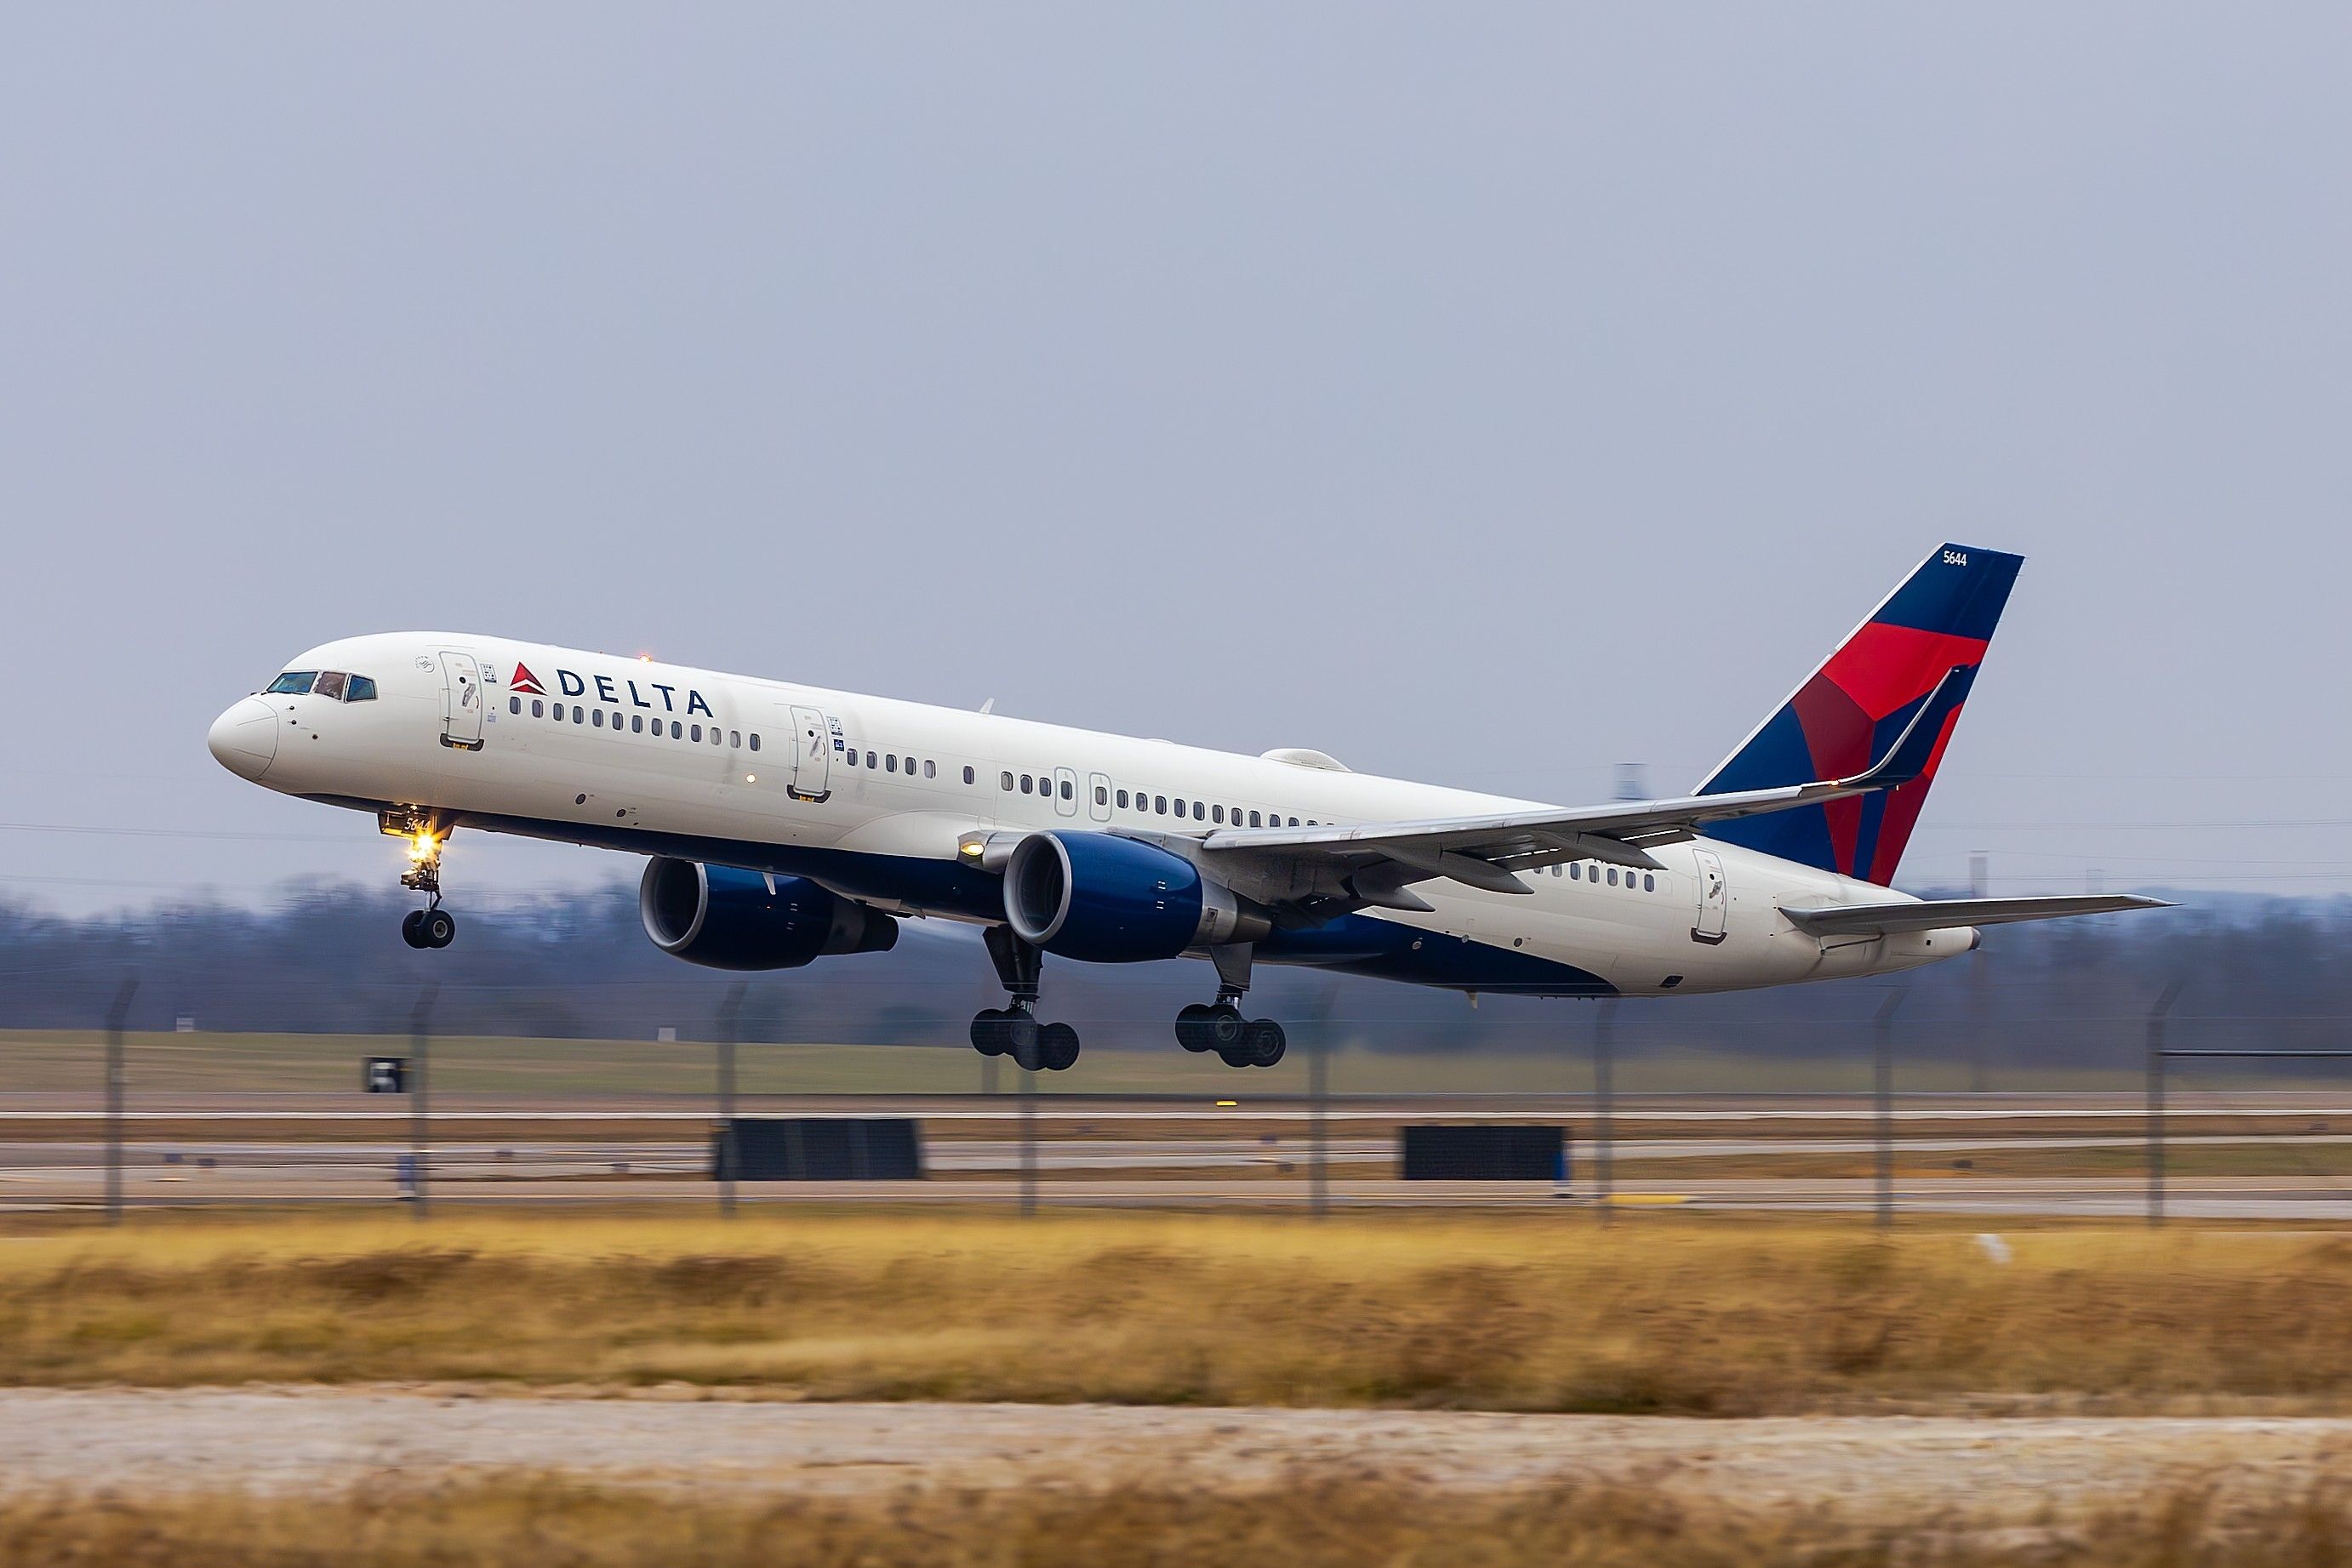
[786,823]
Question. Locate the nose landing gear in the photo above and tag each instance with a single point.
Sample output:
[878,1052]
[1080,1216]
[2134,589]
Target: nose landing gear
[1014,1032]
[431,926]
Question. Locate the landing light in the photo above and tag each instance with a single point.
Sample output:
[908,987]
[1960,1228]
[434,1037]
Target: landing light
[420,848]
[751,778]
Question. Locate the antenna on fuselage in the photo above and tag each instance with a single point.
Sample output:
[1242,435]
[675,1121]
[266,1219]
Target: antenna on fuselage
[988,706]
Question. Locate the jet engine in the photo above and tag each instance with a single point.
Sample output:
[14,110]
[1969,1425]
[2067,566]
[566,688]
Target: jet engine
[1109,900]
[723,918]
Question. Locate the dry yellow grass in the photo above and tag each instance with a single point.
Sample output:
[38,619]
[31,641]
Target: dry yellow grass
[1307,1522]
[1705,1316]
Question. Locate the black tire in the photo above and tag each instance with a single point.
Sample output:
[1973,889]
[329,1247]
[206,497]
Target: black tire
[1192,1027]
[1057,1047]
[1228,1030]
[1021,1040]
[988,1031]
[1264,1043]
[438,927]
[1237,1057]
[412,928]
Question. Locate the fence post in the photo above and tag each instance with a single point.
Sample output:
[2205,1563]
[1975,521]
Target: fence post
[731,1013]
[1604,1101]
[420,1037]
[118,1015]
[1318,1096]
[2156,1017]
[1882,1102]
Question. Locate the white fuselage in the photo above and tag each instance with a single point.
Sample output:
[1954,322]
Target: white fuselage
[876,798]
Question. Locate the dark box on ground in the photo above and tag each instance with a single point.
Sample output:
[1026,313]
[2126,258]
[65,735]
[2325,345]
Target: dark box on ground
[818,1148]
[385,1075]
[1483,1153]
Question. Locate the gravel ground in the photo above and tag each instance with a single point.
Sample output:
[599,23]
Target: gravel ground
[304,1439]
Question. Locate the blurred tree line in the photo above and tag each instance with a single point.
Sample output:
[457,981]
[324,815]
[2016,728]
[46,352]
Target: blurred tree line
[329,959]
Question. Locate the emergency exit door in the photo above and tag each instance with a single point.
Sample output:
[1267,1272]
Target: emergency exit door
[461,702]
[811,755]
[1713,899]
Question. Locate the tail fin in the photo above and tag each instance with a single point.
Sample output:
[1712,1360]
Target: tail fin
[1846,715]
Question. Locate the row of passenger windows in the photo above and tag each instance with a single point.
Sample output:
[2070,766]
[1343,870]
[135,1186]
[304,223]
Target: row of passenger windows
[1587,870]
[1138,800]
[892,762]
[594,716]
[336,685]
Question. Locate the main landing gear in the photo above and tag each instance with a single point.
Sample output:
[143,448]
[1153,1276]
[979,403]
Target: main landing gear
[1014,1032]
[1238,1041]
[431,926]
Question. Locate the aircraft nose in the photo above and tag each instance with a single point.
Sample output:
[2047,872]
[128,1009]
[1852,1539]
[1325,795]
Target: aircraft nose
[245,739]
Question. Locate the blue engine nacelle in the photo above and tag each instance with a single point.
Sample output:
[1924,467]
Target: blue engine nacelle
[726,919]
[1109,900]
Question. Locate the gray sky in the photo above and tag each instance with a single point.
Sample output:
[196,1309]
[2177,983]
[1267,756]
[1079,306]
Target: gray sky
[1484,395]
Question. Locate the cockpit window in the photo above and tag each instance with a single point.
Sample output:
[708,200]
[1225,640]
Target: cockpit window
[363,690]
[293,682]
[330,685]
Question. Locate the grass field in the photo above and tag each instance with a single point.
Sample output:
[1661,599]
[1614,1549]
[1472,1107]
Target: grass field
[1541,1313]
[1321,1523]
[36,1061]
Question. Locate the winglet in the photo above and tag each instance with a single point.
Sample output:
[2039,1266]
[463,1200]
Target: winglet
[1908,757]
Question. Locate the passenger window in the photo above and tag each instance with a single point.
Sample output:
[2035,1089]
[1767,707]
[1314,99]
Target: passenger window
[538,708]
[869,760]
[1218,814]
[293,682]
[755,740]
[636,724]
[1068,793]
[890,763]
[675,730]
[514,705]
[1254,822]
[1200,812]
[1159,804]
[1613,876]
[1028,784]
[1649,883]
[734,737]
[931,770]
[1294,822]
[600,718]
[1008,783]
[363,690]
[1102,795]
[969,776]
[1122,799]
[576,717]
[694,732]
[1179,805]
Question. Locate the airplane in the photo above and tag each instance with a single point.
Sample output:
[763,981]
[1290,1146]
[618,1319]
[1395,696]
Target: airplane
[784,823]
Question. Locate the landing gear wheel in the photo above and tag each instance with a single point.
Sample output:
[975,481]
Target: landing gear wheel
[412,928]
[1227,1028]
[988,1032]
[1057,1047]
[1236,1057]
[436,927]
[1192,1027]
[1263,1042]
[1021,1034]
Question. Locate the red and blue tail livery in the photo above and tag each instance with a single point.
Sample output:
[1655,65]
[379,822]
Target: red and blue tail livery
[1850,712]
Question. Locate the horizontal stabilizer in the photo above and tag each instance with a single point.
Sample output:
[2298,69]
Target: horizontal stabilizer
[1938,913]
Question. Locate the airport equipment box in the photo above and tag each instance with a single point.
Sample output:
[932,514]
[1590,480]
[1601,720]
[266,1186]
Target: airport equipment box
[817,1148]
[1443,1153]
[385,1075]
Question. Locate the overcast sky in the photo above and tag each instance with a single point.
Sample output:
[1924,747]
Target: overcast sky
[1484,395]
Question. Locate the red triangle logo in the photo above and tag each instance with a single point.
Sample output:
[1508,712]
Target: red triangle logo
[525,683]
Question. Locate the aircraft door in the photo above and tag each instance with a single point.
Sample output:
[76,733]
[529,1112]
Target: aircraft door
[1713,899]
[1099,797]
[811,755]
[1066,793]
[461,701]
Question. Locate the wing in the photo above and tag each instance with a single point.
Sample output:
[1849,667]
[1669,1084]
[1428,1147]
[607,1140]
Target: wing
[1382,858]
[1936,913]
